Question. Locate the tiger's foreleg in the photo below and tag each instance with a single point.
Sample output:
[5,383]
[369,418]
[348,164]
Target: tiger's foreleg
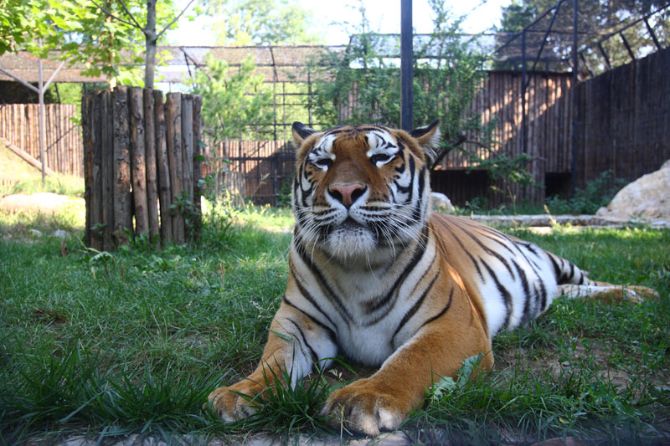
[295,343]
[383,401]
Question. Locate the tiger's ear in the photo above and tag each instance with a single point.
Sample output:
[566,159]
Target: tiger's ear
[300,132]
[429,135]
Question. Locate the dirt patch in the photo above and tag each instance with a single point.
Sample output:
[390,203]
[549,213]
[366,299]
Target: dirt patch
[44,202]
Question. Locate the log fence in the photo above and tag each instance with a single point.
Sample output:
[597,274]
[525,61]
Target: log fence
[142,167]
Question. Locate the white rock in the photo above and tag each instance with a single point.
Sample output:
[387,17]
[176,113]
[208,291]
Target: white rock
[441,203]
[35,233]
[645,199]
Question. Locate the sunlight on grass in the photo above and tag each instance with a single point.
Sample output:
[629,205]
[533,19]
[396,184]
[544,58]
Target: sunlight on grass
[137,339]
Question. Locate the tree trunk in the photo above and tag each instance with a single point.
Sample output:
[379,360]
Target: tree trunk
[150,53]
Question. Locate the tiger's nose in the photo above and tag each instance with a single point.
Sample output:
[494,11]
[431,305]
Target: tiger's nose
[347,193]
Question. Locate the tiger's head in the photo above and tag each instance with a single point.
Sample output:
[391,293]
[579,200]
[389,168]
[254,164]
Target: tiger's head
[362,191]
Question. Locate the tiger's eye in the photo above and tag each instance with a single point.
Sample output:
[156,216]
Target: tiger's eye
[324,162]
[380,157]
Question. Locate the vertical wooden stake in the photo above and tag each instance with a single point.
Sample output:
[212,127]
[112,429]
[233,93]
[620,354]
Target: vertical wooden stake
[164,197]
[187,154]
[122,195]
[138,162]
[150,148]
[175,158]
[197,166]
[107,145]
[96,175]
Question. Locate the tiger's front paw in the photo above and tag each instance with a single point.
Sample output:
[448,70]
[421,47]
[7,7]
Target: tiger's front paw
[366,407]
[233,403]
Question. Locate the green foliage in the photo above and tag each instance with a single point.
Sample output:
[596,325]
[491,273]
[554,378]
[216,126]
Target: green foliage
[597,17]
[596,194]
[235,103]
[81,31]
[448,72]
[260,22]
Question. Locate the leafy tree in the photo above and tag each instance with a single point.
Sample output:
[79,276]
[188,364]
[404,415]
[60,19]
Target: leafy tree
[596,19]
[260,22]
[105,36]
[235,103]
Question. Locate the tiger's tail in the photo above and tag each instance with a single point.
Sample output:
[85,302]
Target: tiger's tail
[574,283]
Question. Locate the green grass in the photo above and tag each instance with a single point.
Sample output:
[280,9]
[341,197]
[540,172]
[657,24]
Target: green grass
[132,342]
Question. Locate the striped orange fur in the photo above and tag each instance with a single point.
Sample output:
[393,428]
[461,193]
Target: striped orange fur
[374,276]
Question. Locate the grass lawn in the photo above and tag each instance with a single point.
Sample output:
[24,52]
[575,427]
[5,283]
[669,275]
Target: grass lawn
[132,342]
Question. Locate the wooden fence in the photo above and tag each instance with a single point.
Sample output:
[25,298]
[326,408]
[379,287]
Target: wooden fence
[142,158]
[623,120]
[19,125]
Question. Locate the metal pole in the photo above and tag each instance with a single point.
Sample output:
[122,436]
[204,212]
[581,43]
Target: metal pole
[573,92]
[406,54]
[524,86]
[42,124]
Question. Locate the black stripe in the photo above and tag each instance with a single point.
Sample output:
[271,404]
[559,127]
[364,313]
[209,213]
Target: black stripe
[526,290]
[507,297]
[444,310]
[472,259]
[543,295]
[306,294]
[414,309]
[330,294]
[313,354]
[374,305]
[582,277]
[572,271]
[330,331]
[500,242]
[557,269]
[489,250]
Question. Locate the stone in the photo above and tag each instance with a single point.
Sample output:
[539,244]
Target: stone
[647,199]
[441,203]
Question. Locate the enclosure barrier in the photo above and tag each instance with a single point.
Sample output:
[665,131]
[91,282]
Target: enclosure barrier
[19,127]
[142,160]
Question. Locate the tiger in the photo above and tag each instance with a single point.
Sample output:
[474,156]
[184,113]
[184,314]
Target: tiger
[376,276]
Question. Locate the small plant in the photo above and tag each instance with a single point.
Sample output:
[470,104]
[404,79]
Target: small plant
[597,193]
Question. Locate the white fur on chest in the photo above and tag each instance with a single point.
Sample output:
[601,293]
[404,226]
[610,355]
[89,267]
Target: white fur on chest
[367,337]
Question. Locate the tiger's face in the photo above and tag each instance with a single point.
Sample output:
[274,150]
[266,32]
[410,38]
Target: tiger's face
[361,191]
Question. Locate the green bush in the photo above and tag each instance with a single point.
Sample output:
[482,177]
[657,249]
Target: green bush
[596,194]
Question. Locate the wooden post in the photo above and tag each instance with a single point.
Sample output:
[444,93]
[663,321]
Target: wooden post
[96,175]
[107,145]
[187,153]
[122,202]
[175,158]
[197,166]
[86,121]
[150,148]
[138,162]
[164,197]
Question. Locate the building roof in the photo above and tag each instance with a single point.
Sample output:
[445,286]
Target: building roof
[24,66]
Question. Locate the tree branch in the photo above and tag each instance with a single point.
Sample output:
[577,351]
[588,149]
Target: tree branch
[174,20]
[110,14]
[460,140]
[132,17]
